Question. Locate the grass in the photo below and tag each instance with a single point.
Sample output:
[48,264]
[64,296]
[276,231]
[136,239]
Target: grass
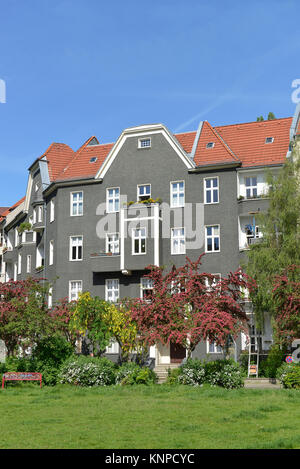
[154,417]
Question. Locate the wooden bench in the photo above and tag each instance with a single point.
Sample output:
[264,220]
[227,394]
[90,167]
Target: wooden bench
[21,376]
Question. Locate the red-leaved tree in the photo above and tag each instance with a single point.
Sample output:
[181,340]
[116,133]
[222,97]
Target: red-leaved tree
[286,293]
[186,306]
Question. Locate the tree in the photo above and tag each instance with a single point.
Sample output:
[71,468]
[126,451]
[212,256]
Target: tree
[183,309]
[271,116]
[88,320]
[62,313]
[124,330]
[286,294]
[280,246]
[24,316]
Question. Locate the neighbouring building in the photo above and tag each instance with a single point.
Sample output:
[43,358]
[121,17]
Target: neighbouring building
[88,231]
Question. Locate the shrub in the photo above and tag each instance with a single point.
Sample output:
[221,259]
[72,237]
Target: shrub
[289,375]
[47,357]
[273,362]
[192,373]
[173,375]
[131,373]
[87,371]
[225,373]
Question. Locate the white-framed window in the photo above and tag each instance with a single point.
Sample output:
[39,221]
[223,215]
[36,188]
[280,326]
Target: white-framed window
[212,347]
[177,241]
[76,204]
[34,215]
[76,243]
[113,199]
[51,252]
[212,238]
[28,264]
[113,243]
[211,190]
[16,237]
[269,140]
[52,210]
[19,264]
[39,259]
[210,145]
[50,301]
[40,214]
[213,283]
[177,194]
[143,192]
[146,287]
[36,187]
[144,142]
[15,271]
[139,241]
[75,287]
[251,186]
[112,289]
[113,347]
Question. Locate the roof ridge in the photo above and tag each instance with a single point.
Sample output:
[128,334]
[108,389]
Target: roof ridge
[254,122]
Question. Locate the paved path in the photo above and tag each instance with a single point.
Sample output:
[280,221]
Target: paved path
[261,383]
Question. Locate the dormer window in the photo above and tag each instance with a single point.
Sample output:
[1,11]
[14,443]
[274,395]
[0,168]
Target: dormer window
[145,142]
[93,159]
[210,145]
[269,140]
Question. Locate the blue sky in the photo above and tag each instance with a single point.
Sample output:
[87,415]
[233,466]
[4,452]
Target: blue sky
[76,68]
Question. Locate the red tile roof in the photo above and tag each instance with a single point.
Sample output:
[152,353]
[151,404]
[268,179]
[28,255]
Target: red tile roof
[3,209]
[244,143]
[81,166]
[58,156]
[248,141]
[219,153]
[10,209]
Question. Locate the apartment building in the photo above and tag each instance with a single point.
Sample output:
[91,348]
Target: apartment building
[95,218]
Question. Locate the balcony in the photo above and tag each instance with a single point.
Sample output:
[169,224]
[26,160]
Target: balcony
[7,255]
[253,205]
[38,226]
[105,262]
[252,241]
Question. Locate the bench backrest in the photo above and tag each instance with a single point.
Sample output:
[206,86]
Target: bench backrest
[22,375]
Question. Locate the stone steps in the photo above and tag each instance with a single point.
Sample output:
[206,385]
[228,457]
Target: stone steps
[261,383]
[162,371]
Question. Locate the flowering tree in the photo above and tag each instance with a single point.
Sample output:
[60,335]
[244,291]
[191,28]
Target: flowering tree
[62,313]
[24,316]
[286,294]
[186,307]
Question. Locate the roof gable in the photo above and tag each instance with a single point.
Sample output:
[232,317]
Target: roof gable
[143,131]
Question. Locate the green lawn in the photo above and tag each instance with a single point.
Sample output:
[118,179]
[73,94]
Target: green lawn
[152,417]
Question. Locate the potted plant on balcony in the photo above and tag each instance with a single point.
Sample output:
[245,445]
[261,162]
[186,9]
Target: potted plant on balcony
[25,226]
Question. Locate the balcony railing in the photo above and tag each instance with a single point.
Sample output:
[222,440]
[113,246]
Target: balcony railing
[254,241]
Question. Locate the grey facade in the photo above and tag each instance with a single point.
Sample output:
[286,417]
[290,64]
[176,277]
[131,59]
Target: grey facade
[49,208]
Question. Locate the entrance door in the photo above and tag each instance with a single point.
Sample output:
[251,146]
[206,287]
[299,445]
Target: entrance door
[177,353]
